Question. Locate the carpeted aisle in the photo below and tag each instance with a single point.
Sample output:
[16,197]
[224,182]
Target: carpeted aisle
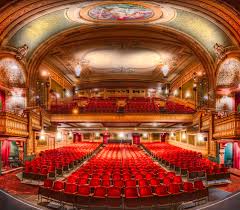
[11,184]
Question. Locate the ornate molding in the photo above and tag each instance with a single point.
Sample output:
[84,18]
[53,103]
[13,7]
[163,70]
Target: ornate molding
[97,117]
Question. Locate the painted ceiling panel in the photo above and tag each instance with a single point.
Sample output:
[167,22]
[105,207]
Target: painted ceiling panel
[39,30]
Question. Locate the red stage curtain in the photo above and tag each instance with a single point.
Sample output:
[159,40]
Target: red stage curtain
[136,139]
[77,138]
[2,101]
[236,155]
[105,138]
[5,152]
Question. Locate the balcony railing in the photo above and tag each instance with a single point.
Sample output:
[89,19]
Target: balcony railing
[227,126]
[13,124]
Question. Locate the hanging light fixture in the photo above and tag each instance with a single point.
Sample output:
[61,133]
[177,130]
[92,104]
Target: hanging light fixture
[165,70]
[78,70]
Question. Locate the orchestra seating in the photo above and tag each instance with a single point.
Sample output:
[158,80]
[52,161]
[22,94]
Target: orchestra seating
[187,162]
[134,105]
[122,176]
[57,161]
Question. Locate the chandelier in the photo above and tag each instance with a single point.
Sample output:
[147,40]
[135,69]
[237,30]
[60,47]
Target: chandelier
[165,70]
[79,66]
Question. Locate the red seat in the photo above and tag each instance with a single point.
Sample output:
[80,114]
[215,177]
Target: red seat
[131,192]
[188,187]
[82,181]
[145,192]
[130,183]
[84,191]
[167,181]
[58,186]
[106,183]
[177,179]
[161,190]
[118,183]
[100,192]
[174,189]
[142,183]
[94,182]
[199,185]
[154,182]
[114,192]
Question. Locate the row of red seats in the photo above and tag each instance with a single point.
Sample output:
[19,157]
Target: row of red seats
[128,172]
[187,162]
[113,195]
[56,161]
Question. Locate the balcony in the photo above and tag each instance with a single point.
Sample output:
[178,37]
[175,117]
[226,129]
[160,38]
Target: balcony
[227,127]
[12,124]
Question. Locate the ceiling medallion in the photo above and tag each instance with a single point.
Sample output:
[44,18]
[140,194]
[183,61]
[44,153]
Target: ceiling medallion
[121,12]
[124,11]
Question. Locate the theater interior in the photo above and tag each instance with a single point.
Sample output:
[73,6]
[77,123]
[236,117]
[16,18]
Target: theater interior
[119,104]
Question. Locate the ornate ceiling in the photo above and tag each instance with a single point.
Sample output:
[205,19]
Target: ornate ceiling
[121,57]
[60,32]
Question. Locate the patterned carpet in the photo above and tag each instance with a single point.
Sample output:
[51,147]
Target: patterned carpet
[12,185]
[232,187]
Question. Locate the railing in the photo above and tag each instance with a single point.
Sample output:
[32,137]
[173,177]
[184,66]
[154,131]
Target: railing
[13,124]
[227,126]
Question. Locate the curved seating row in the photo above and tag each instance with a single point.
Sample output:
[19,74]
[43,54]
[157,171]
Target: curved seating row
[187,162]
[56,161]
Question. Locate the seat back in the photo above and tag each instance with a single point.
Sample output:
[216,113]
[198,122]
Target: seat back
[84,190]
[58,185]
[145,191]
[100,192]
[131,192]
[70,188]
[48,183]
[114,192]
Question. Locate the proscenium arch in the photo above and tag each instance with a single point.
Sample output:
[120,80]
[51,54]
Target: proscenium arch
[42,50]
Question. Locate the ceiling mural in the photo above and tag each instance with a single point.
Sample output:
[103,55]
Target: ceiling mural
[120,12]
[11,73]
[229,73]
[197,26]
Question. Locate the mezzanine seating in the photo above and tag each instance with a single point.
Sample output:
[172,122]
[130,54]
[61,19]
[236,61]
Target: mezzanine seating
[134,105]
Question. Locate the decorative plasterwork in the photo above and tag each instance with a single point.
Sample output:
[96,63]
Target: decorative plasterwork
[229,73]
[11,73]
[39,30]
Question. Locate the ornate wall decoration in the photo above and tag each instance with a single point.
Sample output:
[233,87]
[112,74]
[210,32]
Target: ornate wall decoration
[11,73]
[229,73]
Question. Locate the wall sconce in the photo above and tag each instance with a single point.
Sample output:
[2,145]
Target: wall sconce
[42,135]
[59,135]
[184,135]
